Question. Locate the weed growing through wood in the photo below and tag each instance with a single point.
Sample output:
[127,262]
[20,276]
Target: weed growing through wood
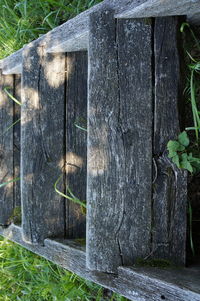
[182,155]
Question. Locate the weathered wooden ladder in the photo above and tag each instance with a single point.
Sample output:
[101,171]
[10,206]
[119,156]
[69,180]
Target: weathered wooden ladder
[123,76]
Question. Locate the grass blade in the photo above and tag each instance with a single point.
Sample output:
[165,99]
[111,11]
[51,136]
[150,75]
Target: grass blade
[80,127]
[8,182]
[71,197]
[12,97]
[13,124]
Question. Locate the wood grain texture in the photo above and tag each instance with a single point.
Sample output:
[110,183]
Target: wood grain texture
[160,8]
[12,64]
[163,284]
[16,140]
[170,187]
[170,212]
[6,148]
[76,141]
[137,284]
[119,131]
[168,81]
[42,143]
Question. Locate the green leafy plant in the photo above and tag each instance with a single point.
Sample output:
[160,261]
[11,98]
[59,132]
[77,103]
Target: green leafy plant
[184,151]
[178,152]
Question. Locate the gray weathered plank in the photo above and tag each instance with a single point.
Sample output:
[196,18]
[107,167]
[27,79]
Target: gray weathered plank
[159,8]
[170,183]
[76,141]
[169,207]
[42,143]
[163,284]
[194,18]
[16,140]
[137,284]
[13,63]
[6,148]
[119,132]
[168,81]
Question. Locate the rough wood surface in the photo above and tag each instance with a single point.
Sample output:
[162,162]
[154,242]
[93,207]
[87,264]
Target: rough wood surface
[160,8]
[168,81]
[13,63]
[194,18]
[119,132]
[78,28]
[6,148]
[170,212]
[76,141]
[170,183]
[16,140]
[42,143]
[137,284]
[163,284]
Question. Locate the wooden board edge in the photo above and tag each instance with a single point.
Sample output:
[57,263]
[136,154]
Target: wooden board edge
[77,43]
[164,283]
[73,259]
[12,64]
[159,8]
[13,70]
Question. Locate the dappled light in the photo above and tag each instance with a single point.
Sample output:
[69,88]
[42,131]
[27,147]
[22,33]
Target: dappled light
[33,104]
[73,162]
[97,161]
[53,74]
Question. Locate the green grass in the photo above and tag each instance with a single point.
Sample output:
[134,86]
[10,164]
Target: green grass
[24,21]
[25,276]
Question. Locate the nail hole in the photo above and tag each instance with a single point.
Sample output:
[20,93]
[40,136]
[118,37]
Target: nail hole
[163,297]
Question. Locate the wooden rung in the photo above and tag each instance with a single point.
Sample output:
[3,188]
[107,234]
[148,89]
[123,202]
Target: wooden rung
[136,283]
[119,133]
[42,143]
[76,141]
[156,8]
[163,284]
[13,63]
